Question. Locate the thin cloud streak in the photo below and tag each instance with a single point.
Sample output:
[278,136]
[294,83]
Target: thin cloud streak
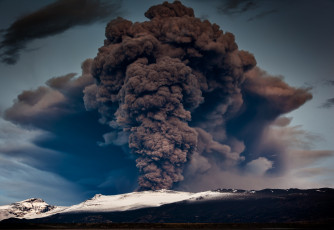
[232,7]
[262,14]
[328,104]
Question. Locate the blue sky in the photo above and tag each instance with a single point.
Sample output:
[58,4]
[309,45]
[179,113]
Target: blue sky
[60,159]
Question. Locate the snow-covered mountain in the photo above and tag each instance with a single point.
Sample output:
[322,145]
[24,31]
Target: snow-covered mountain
[136,200]
[37,208]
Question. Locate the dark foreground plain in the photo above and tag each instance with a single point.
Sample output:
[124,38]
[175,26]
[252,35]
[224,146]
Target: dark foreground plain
[166,226]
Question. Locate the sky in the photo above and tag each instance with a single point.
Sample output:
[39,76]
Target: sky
[61,139]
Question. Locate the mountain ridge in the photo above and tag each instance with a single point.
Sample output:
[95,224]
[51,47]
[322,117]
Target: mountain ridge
[225,205]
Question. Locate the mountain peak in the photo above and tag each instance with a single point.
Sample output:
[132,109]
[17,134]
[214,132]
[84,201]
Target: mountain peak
[97,196]
[31,200]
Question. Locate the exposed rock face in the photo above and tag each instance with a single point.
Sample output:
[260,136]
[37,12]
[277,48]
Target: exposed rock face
[22,209]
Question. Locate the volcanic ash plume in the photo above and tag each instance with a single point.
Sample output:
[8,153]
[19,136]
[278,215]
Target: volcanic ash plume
[170,84]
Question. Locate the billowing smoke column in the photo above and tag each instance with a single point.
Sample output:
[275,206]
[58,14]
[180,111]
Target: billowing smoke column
[170,85]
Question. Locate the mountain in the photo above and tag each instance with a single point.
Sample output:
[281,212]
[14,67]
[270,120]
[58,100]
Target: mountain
[165,206]
[30,208]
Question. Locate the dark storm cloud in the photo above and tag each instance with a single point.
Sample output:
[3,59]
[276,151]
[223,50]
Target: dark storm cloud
[186,96]
[50,20]
[328,104]
[62,95]
[67,136]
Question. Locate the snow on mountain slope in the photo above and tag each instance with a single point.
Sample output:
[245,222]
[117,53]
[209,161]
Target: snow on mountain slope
[36,208]
[137,200]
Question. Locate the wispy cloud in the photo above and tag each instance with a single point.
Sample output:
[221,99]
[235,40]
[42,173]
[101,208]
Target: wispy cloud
[238,7]
[328,104]
[262,14]
[232,7]
[330,82]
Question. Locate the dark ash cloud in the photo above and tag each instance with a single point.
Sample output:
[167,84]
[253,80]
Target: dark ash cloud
[186,97]
[294,158]
[53,19]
